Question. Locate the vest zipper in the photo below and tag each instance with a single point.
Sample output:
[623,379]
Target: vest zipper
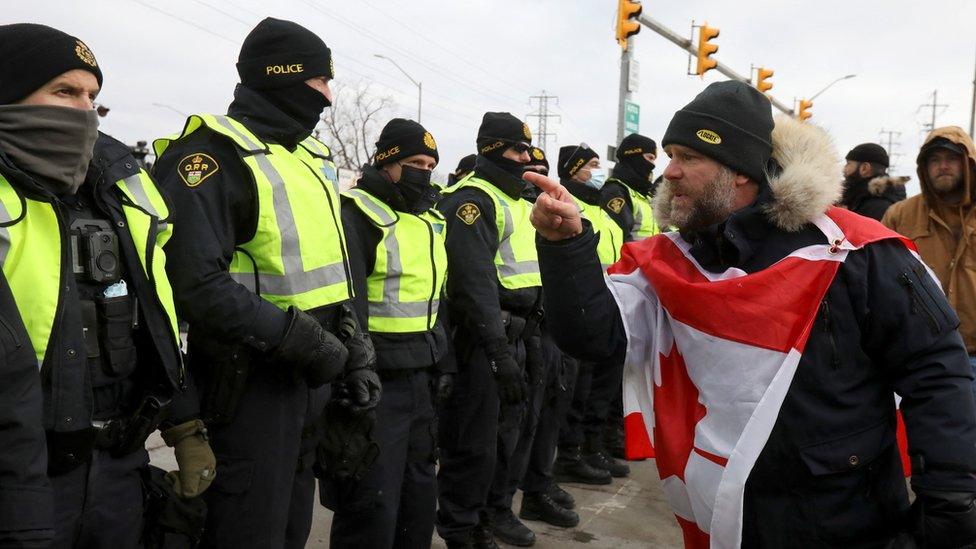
[918,305]
[829,330]
[10,331]
[433,268]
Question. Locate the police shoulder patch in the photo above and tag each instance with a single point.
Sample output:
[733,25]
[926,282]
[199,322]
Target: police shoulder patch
[615,205]
[468,212]
[196,167]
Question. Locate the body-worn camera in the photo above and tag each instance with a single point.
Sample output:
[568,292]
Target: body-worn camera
[95,250]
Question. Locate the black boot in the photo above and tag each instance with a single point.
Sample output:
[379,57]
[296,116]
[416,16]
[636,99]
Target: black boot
[482,537]
[570,467]
[562,498]
[466,544]
[596,456]
[539,506]
[508,528]
[613,440]
[601,460]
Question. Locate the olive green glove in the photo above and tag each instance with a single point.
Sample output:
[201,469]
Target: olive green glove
[196,461]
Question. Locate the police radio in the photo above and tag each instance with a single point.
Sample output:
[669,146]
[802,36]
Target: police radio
[95,251]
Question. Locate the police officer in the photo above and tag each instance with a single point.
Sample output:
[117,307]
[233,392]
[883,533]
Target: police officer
[494,291]
[262,275]
[627,199]
[395,239]
[464,167]
[84,298]
[582,456]
[626,195]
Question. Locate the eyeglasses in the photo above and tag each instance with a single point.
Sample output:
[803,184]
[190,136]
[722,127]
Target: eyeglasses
[521,147]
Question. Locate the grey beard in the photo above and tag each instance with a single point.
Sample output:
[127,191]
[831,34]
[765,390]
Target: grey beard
[714,206]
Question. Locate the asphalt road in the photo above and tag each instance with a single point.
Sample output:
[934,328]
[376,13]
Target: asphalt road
[628,514]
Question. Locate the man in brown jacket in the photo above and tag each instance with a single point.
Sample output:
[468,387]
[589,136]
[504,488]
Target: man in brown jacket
[942,221]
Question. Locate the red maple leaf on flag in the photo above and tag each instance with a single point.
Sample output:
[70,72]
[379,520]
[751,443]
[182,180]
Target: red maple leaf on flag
[676,412]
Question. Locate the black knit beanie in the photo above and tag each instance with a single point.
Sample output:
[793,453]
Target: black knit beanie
[278,53]
[572,158]
[402,138]
[31,55]
[869,152]
[730,122]
[500,130]
[635,145]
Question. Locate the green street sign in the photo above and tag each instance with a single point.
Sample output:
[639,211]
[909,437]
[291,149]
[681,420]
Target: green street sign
[631,117]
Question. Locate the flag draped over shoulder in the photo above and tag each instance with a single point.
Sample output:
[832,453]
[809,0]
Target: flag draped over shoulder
[710,358]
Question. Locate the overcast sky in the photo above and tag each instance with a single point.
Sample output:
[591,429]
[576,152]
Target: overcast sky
[475,56]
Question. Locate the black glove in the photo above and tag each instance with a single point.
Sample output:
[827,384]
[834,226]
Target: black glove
[360,390]
[316,355]
[944,519]
[443,388]
[362,354]
[348,449]
[507,372]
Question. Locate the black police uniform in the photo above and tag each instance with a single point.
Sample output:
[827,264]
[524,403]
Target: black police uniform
[106,357]
[874,334]
[265,485]
[393,505]
[477,433]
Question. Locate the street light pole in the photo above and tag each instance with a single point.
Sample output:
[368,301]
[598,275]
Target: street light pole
[827,87]
[420,85]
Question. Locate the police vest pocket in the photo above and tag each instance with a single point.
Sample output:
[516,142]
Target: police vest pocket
[233,475]
[850,452]
[10,341]
[115,317]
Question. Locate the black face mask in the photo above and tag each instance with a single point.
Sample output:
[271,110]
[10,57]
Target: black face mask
[415,188]
[510,166]
[642,168]
[301,102]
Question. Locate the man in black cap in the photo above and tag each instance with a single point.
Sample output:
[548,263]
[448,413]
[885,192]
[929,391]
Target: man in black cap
[770,332]
[627,194]
[464,167]
[582,456]
[261,272]
[868,189]
[495,296]
[395,239]
[92,362]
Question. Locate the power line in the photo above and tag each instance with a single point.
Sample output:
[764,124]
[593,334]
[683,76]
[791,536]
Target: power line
[186,21]
[935,105]
[891,144]
[542,136]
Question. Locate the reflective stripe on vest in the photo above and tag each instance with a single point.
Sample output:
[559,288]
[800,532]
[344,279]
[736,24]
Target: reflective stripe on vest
[644,223]
[404,288]
[516,260]
[298,253]
[30,249]
[610,234]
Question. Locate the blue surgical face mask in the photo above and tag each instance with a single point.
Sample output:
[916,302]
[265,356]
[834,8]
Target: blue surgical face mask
[598,177]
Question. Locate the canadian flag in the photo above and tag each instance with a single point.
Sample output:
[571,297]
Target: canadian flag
[710,358]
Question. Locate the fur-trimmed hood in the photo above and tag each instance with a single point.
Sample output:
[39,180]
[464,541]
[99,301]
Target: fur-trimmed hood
[805,187]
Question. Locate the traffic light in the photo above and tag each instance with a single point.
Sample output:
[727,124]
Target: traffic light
[805,109]
[706,49]
[761,76]
[626,11]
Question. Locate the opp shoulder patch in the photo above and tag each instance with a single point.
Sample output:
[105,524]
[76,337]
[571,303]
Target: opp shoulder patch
[615,205]
[468,212]
[196,167]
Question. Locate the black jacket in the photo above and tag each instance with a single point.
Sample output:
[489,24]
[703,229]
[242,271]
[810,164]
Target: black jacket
[59,401]
[474,292]
[393,351]
[873,196]
[212,219]
[622,178]
[883,327]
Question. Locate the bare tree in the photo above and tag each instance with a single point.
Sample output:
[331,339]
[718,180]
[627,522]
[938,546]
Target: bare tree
[350,127]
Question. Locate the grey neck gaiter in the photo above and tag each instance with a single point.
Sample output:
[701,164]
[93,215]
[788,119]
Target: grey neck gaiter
[51,144]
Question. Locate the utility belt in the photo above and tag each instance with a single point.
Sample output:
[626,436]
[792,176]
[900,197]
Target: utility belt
[120,436]
[522,327]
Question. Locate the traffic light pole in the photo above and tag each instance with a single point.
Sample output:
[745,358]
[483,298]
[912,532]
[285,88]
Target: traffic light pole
[624,93]
[687,45]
